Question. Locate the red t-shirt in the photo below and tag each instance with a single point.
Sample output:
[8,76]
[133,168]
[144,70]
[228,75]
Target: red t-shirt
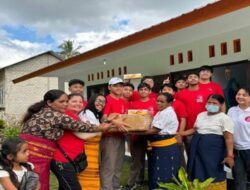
[212,87]
[194,102]
[114,105]
[149,105]
[180,110]
[71,144]
[136,96]
[85,103]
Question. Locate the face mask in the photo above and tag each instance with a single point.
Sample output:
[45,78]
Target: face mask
[212,108]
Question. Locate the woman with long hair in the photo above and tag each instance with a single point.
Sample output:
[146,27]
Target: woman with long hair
[89,178]
[44,123]
[241,118]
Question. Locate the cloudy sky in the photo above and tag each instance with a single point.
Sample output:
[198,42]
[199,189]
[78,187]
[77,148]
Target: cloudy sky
[29,27]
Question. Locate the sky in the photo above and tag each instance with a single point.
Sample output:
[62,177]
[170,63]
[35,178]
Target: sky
[30,27]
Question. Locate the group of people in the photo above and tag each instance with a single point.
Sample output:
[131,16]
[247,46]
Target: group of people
[84,145]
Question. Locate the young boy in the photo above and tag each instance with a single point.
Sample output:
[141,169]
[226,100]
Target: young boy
[138,143]
[150,81]
[77,86]
[127,91]
[180,83]
[178,106]
[194,98]
[112,145]
[205,74]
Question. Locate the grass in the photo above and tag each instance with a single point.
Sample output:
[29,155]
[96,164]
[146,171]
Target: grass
[124,178]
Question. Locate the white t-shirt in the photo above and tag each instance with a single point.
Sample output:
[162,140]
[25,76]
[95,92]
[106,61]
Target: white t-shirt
[89,116]
[167,121]
[241,119]
[213,124]
[19,173]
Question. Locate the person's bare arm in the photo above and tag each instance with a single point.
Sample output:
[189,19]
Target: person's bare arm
[7,184]
[229,144]
[183,122]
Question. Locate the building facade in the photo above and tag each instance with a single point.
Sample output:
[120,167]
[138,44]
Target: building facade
[15,98]
[217,35]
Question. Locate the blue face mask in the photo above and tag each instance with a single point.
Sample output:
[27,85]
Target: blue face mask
[212,108]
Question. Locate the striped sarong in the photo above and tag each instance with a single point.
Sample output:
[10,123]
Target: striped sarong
[40,154]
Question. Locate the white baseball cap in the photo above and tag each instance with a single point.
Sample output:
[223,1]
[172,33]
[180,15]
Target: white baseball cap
[115,80]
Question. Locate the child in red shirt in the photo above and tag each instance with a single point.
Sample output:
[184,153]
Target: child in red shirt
[205,74]
[194,98]
[138,143]
[150,81]
[112,147]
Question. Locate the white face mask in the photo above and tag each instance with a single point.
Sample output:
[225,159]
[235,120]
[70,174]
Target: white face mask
[212,108]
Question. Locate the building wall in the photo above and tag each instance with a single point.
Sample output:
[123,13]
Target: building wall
[1,89]
[19,96]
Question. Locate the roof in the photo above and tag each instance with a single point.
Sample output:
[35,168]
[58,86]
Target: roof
[47,52]
[196,16]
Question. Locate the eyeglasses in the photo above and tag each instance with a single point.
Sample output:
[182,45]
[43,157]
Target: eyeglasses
[100,101]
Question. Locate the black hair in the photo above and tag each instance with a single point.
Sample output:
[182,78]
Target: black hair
[91,106]
[193,73]
[11,146]
[179,78]
[146,77]
[76,81]
[51,96]
[167,85]
[129,85]
[74,94]
[217,97]
[169,97]
[245,88]
[206,68]
[143,85]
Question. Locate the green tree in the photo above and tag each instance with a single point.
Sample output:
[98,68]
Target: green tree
[68,50]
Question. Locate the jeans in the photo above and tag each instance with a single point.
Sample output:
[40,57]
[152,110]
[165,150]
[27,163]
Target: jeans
[241,170]
[66,175]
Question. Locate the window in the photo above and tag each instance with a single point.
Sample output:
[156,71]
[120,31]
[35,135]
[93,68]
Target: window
[211,50]
[89,78]
[237,46]
[223,47]
[190,56]
[1,96]
[92,77]
[125,70]
[180,58]
[98,75]
[113,72]
[171,59]
[101,75]
[108,73]
[119,70]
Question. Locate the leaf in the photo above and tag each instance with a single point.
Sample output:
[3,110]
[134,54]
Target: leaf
[170,186]
[206,183]
[183,177]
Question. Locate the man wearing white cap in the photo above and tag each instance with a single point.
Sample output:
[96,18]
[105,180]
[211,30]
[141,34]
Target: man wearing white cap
[113,143]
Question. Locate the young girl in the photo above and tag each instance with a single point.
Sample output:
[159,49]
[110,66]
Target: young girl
[89,178]
[13,164]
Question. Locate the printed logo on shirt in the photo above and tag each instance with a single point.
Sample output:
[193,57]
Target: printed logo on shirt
[210,89]
[199,99]
[247,119]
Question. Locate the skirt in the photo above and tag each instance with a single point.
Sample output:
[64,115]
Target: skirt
[164,159]
[40,155]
